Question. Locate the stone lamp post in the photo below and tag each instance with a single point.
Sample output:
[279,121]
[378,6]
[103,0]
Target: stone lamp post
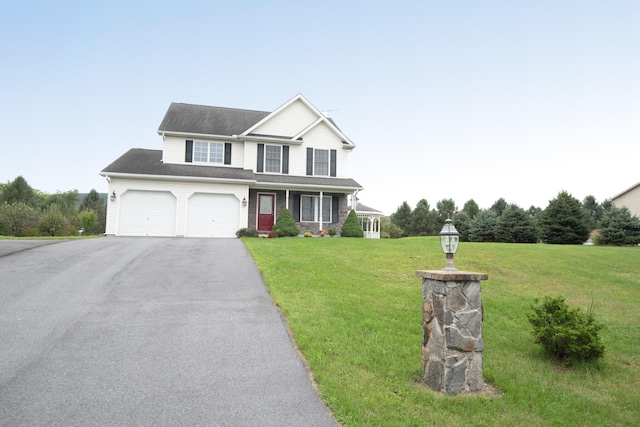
[452,322]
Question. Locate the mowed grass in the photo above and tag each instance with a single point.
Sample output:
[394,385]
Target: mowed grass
[354,308]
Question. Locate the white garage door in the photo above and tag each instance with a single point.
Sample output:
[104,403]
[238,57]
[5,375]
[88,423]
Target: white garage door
[148,213]
[212,215]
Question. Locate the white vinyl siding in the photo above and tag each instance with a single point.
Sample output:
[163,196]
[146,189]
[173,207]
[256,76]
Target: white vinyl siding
[310,209]
[288,122]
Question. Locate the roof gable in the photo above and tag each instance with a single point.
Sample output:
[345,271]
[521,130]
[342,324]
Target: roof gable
[300,117]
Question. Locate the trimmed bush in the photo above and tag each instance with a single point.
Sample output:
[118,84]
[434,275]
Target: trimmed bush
[247,232]
[332,232]
[285,225]
[351,226]
[566,334]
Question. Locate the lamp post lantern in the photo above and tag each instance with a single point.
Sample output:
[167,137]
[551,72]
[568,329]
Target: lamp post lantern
[449,239]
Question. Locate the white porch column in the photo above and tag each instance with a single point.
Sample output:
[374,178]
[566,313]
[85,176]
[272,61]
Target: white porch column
[320,213]
[286,200]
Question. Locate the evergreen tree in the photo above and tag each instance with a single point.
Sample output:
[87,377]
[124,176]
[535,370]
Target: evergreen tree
[515,226]
[402,217]
[593,209]
[20,191]
[446,209]
[351,226]
[482,228]
[499,206]
[564,221]
[619,228]
[462,222]
[420,219]
[471,208]
[285,225]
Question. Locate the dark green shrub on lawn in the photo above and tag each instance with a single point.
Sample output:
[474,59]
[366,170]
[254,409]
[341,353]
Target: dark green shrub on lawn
[566,334]
[352,227]
[285,225]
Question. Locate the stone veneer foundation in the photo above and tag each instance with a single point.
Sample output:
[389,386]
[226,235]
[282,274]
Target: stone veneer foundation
[452,316]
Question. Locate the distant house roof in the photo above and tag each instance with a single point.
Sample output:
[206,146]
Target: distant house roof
[360,208]
[148,163]
[189,118]
[626,191]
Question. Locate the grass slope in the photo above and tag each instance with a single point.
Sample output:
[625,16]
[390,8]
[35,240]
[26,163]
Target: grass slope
[354,307]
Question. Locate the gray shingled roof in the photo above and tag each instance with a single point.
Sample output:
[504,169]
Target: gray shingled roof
[138,161]
[307,181]
[189,118]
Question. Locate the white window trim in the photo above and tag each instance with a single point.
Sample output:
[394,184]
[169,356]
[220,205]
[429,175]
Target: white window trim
[316,208]
[264,161]
[208,153]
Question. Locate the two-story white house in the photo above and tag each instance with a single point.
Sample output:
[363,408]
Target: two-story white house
[222,169]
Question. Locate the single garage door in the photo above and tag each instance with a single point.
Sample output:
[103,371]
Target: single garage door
[148,213]
[212,215]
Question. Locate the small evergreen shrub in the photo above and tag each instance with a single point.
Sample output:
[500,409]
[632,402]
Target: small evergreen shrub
[285,225]
[332,232]
[247,232]
[308,234]
[351,226]
[568,335]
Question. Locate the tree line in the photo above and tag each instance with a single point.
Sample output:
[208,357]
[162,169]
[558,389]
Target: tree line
[565,220]
[27,212]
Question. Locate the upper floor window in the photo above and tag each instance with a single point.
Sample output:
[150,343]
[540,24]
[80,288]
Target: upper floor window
[273,158]
[207,152]
[322,162]
[210,152]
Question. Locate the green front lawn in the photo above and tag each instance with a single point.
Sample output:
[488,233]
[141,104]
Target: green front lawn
[354,308]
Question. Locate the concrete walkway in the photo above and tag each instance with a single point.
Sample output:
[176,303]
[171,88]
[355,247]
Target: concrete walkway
[145,331]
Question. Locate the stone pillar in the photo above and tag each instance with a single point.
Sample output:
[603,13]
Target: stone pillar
[452,321]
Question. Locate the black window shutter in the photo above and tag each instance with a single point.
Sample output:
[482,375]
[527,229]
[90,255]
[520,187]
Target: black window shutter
[296,207]
[260,166]
[227,153]
[335,209]
[285,159]
[188,152]
[309,161]
[333,164]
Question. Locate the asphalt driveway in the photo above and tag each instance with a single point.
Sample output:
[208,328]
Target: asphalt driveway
[145,331]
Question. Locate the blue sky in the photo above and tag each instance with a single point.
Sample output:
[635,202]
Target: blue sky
[460,100]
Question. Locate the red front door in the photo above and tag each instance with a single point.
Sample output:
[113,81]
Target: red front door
[266,204]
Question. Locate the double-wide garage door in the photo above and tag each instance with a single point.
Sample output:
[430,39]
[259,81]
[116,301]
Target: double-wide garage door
[153,213]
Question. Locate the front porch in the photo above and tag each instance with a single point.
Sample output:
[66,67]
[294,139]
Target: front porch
[313,211]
